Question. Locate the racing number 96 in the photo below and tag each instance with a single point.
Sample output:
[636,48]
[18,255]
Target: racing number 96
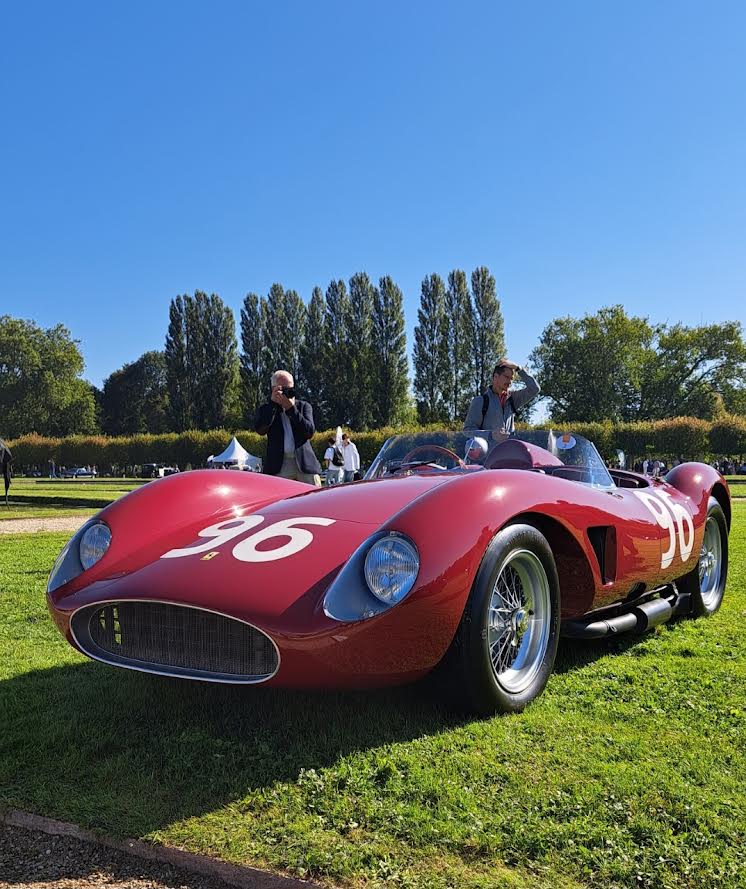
[296,538]
[672,517]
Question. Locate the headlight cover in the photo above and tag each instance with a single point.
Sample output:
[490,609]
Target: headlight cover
[94,542]
[391,568]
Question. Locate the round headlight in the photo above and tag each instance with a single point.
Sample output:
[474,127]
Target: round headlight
[93,544]
[391,568]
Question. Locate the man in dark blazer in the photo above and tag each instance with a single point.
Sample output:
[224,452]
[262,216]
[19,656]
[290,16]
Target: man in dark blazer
[288,424]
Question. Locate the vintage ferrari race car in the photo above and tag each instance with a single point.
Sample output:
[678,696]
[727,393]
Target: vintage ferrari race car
[453,551]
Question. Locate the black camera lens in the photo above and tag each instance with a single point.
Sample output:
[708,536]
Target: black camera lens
[288,391]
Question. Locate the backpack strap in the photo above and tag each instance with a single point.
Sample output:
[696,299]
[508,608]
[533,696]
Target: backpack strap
[486,404]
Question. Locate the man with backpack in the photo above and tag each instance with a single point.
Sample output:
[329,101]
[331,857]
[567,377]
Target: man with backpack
[335,462]
[495,409]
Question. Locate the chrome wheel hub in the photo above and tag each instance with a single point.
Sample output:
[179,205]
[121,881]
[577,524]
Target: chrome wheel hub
[518,621]
[710,563]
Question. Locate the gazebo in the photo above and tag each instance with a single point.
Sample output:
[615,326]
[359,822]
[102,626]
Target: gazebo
[235,456]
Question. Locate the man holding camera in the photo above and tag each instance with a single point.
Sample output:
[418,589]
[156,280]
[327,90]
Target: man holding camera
[288,424]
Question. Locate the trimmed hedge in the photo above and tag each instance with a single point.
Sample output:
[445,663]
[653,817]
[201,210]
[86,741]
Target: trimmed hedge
[680,437]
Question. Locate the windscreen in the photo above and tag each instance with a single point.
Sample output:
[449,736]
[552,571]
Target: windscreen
[471,449]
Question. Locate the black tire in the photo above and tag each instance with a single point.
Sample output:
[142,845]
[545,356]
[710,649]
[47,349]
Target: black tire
[706,583]
[505,647]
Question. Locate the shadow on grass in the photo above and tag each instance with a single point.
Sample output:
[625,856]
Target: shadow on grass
[131,753]
[60,501]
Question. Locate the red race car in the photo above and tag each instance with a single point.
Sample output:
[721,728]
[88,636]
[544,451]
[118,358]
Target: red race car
[452,551]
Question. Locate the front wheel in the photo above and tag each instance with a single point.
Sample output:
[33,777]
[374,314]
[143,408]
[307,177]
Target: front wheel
[506,644]
[706,583]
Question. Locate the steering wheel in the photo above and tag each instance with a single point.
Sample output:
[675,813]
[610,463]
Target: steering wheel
[432,449]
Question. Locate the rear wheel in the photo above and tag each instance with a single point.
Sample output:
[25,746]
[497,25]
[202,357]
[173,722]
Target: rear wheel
[706,583]
[506,643]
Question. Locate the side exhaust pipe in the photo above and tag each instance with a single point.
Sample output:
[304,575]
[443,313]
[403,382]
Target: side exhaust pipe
[639,619]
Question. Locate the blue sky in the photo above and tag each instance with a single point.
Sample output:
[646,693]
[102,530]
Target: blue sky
[587,153]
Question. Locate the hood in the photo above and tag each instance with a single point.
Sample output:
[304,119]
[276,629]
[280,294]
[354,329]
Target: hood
[264,562]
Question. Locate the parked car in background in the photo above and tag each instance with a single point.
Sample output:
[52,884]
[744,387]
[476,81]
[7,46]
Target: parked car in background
[157,470]
[79,472]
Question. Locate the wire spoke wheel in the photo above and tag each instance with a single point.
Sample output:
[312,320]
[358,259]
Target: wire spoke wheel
[519,621]
[705,583]
[711,563]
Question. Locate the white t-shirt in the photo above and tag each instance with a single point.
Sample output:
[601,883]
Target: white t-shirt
[329,455]
[352,457]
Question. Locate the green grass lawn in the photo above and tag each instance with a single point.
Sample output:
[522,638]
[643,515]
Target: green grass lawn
[629,771]
[41,497]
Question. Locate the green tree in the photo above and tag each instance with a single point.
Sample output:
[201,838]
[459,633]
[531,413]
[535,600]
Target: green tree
[488,329]
[217,389]
[697,371]
[135,397]
[201,362]
[389,351]
[430,356]
[275,348]
[252,336]
[458,334]
[337,364]
[41,389]
[360,331]
[592,368]
[295,317]
[178,372]
[312,370]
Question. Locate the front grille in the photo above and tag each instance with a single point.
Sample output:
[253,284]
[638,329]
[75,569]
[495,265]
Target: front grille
[176,640]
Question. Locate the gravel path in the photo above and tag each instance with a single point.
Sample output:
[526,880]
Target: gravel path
[47,854]
[22,526]
[30,859]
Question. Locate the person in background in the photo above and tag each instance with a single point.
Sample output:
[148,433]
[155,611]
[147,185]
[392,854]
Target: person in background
[351,458]
[287,421]
[495,409]
[334,465]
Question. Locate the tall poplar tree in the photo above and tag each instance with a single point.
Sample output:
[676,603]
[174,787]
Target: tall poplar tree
[312,369]
[459,330]
[252,336]
[430,356]
[295,319]
[201,361]
[337,357]
[276,350]
[360,332]
[178,372]
[489,336]
[219,381]
[389,352]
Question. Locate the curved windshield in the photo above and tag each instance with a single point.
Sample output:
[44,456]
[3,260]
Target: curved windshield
[563,454]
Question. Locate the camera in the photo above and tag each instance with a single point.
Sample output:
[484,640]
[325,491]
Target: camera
[288,391]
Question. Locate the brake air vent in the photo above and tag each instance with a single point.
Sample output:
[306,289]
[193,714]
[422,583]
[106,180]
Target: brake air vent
[603,541]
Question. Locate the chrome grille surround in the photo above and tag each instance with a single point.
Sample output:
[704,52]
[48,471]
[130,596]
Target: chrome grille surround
[175,640]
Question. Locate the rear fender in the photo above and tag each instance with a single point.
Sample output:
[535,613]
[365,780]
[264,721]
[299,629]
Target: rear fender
[700,481]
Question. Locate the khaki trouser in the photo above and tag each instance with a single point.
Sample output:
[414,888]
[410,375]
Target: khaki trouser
[290,470]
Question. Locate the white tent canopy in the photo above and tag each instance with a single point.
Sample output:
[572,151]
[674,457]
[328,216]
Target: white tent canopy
[236,455]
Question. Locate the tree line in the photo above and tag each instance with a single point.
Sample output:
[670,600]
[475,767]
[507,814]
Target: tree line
[348,353]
